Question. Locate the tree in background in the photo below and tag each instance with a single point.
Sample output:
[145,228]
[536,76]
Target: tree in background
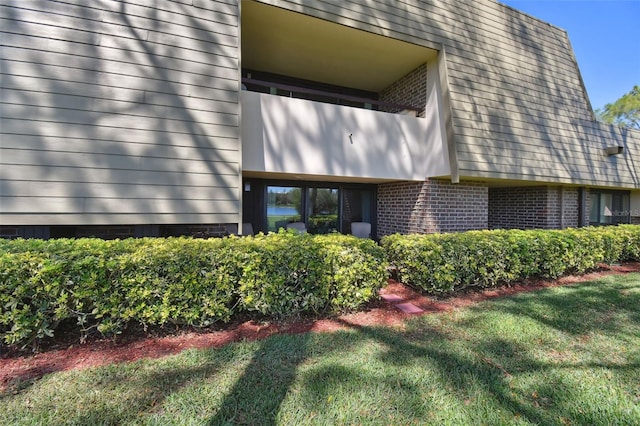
[623,112]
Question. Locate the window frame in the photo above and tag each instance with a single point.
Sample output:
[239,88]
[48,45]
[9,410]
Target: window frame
[617,216]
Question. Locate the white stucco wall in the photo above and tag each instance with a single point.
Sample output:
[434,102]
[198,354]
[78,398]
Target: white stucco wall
[287,135]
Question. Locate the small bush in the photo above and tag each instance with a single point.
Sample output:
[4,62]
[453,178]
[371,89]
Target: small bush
[106,285]
[444,263]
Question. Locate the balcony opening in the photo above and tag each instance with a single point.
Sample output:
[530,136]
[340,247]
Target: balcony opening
[290,54]
[275,84]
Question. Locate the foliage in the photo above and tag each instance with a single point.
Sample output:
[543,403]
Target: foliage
[623,112]
[106,285]
[444,263]
[323,224]
[285,274]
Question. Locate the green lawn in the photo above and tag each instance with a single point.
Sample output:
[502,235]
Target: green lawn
[567,355]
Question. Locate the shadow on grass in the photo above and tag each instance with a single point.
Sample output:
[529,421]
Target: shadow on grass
[553,392]
[256,396]
[458,357]
[580,309]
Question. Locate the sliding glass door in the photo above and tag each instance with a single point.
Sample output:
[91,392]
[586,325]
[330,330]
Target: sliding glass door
[609,207]
[322,207]
[322,210]
[284,205]
[356,207]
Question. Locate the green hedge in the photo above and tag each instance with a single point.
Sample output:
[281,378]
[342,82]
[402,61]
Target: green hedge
[106,285]
[444,263]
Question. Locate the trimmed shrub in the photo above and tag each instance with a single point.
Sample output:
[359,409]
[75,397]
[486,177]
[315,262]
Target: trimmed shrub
[357,268]
[285,273]
[106,285]
[444,263]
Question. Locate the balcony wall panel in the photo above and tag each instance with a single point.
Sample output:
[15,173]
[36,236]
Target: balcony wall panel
[296,136]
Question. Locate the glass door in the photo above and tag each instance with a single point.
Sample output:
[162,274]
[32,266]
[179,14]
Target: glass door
[356,207]
[322,211]
[284,205]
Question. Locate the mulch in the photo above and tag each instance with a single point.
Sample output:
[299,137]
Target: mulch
[62,354]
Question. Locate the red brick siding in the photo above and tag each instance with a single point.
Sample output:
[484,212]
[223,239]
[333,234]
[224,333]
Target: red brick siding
[430,207]
[409,90]
[537,207]
[570,207]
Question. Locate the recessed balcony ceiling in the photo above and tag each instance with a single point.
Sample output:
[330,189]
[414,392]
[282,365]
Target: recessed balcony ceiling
[283,42]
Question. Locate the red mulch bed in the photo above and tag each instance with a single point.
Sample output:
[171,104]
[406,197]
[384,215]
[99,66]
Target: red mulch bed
[61,355]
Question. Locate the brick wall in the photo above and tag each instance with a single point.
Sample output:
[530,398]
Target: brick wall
[570,207]
[535,207]
[106,232]
[587,208]
[409,90]
[431,206]
[198,230]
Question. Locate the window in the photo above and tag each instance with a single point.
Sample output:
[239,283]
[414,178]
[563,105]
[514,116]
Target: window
[609,207]
[284,205]
[356,207]
[322,211]
[323,207]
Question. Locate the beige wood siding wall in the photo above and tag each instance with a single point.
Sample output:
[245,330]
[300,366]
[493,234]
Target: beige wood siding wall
[119,112]
[519,107]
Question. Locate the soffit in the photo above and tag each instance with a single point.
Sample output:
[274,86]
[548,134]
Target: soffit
[284,42]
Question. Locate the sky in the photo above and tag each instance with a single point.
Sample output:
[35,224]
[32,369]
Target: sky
[605,36]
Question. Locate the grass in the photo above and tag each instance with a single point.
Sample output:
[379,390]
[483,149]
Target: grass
[567,355]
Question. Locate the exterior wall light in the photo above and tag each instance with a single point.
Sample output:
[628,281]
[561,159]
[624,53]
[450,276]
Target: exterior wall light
[614,150]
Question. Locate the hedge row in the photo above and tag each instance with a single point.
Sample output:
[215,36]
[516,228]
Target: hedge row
[106,285]
[445,263]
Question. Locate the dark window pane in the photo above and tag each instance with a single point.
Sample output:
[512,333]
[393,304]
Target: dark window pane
[322,210]
[284,205]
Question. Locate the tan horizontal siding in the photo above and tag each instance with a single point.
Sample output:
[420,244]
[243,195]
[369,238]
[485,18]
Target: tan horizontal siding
[157,79]
[78,172]
[120,218]
[113,50]
[177,70]
[119,112]
[30,115]
[569,174]
[74,205]
[128,191]
[103,94]
[532,103]
[83,107]
[533,155]
[65,78]
[104,140]
[209,150]
[218,161]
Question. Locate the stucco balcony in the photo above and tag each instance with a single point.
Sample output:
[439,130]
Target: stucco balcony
[299,137]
